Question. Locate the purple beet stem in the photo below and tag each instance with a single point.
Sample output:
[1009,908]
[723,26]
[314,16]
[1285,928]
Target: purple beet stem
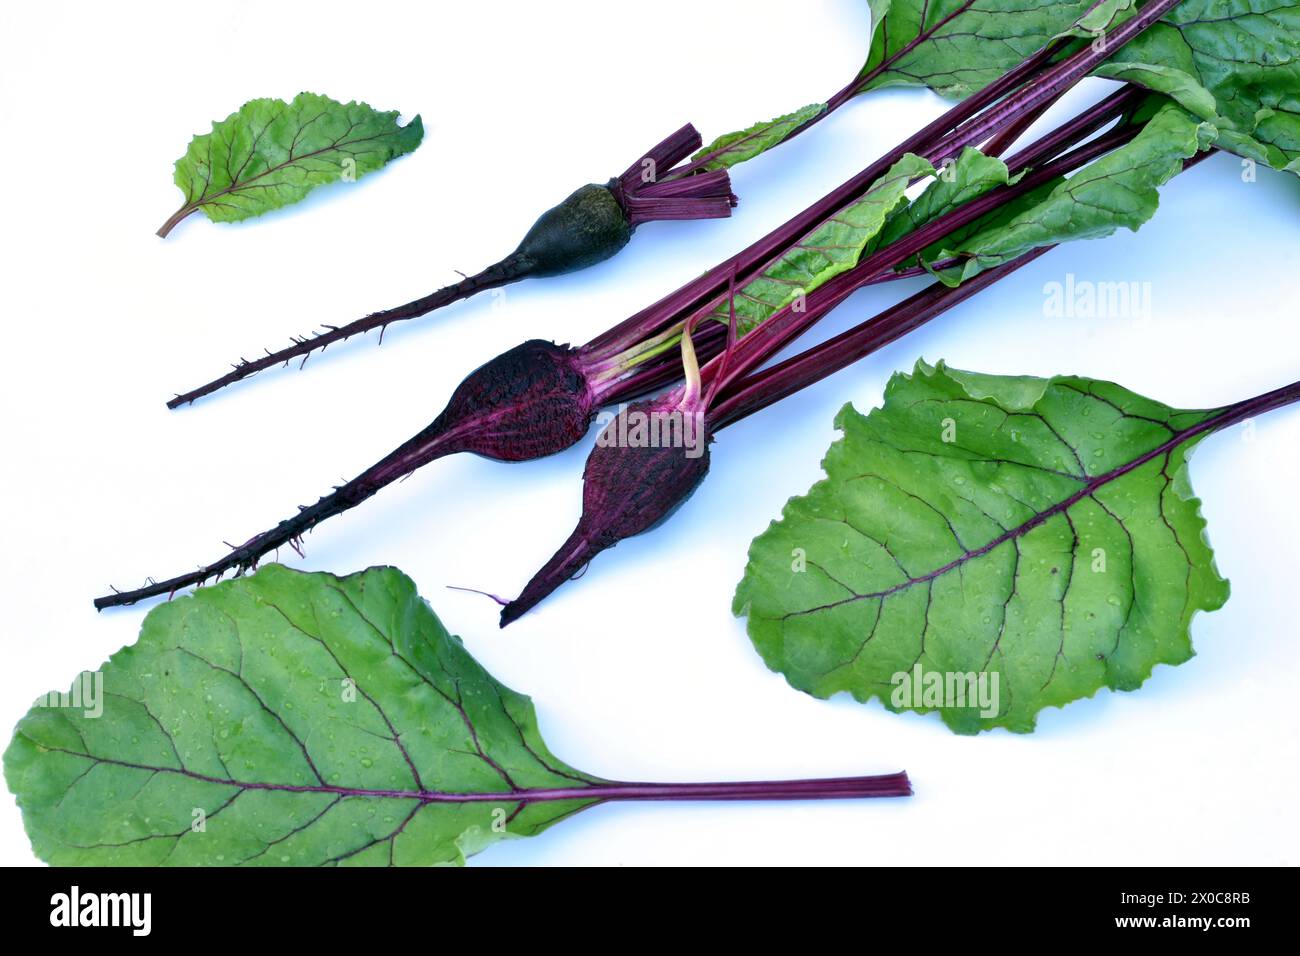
[783,327]
[761,389]
[831,788]
[695,294]
[708,339]
[770,385]
[827,788]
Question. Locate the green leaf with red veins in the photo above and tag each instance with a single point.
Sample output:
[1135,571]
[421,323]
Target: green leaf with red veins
[1233,63]
[1119,190]
[271,153]
[733,148]
[290,719]
[1029,541]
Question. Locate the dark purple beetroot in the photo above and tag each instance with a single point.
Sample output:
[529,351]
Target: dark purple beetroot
[529,402]
[627,488]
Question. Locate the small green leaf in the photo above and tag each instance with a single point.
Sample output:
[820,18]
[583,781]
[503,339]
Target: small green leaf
[272,153]
[733,148]
[1040,535]
[287,719]
[832,248]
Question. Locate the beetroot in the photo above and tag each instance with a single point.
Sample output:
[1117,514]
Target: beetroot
[531,401]
[528,402]
[629,486]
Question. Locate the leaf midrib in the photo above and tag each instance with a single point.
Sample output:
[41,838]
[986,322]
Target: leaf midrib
[527,794]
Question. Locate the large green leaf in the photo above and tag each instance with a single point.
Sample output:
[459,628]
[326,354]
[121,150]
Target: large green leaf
[309,720]
[830,249]
[1234,63]
[304,719]
[1043,531]
[271,153]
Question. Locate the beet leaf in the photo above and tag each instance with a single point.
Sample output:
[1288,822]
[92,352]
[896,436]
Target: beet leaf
[271,154]
[732,149]
[291,719]
[1043,530]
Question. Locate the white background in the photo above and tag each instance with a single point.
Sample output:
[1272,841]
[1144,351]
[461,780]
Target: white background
[638,670]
